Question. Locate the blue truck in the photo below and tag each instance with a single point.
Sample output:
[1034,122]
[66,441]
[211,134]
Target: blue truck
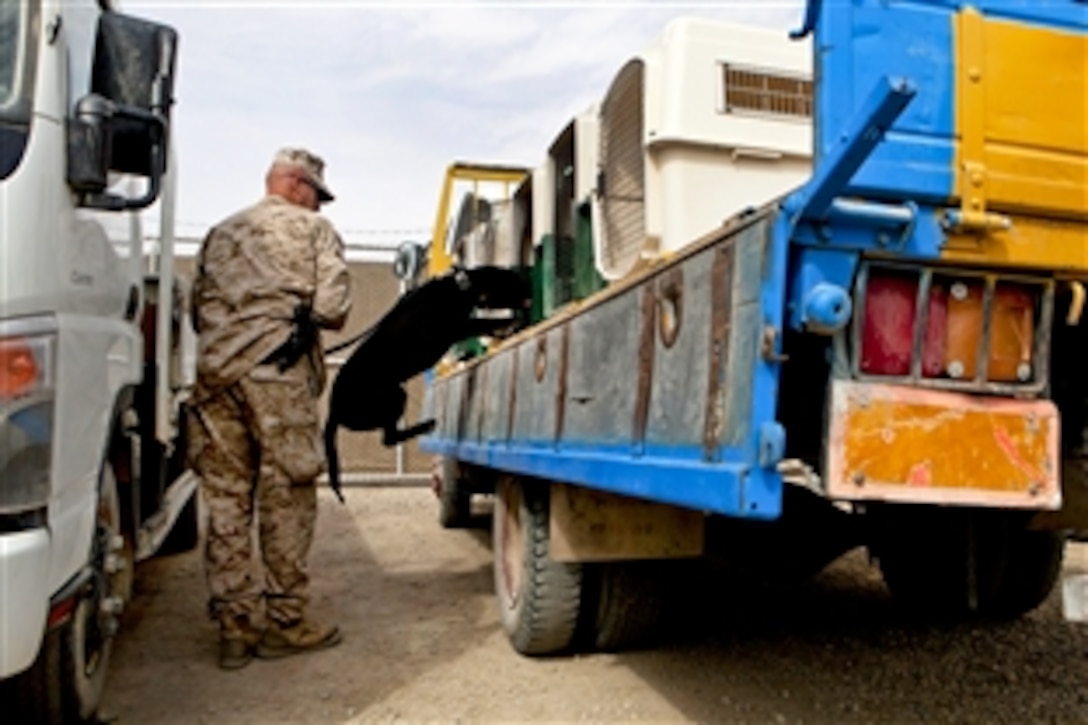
[885,354]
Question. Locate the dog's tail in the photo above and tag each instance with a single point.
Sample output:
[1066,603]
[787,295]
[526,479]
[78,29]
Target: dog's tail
[333,457]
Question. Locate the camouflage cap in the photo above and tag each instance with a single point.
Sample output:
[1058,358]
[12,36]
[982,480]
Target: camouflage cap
[310,164]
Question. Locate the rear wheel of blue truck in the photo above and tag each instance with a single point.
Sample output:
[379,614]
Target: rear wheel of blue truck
[966,562]
[624,603]
[539,598]
[65,683]
[454,492]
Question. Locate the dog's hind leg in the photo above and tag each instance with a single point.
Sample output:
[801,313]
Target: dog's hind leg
[391,409]
[392,435]
[333,459]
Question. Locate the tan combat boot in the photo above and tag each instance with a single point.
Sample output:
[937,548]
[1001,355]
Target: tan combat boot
[280,640]
[238,639]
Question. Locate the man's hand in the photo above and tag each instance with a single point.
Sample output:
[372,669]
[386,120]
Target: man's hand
[303,338]
[305,327]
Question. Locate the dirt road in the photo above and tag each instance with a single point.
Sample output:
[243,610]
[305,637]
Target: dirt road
[422,642]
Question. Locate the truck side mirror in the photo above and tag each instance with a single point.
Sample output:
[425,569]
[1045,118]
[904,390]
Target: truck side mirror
[89,145]
[122,125]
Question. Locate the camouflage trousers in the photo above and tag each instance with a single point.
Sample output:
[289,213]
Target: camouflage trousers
[257,444]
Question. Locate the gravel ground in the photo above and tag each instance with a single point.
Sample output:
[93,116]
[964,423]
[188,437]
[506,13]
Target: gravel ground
[423,643]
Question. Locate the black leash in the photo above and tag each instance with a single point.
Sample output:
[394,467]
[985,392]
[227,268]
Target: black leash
[351,341]
[463,283]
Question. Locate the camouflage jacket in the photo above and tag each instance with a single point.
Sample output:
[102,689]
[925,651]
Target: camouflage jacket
[253,270]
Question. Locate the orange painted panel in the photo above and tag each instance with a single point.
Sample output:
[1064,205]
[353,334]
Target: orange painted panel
[899,443]
[1047,244]
[1036,102]
[1022,116]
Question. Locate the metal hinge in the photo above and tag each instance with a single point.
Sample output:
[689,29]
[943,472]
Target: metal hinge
[972,217]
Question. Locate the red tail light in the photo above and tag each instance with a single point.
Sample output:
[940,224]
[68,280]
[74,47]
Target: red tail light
[954,326]
[887,338]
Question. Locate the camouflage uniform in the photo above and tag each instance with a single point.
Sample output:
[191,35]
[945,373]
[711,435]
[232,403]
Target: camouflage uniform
[254,433]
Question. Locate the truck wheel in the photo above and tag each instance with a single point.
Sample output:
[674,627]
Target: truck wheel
[959,562]
[627,604]
[454,495]
[65,683]
[538,597]
[1032,567]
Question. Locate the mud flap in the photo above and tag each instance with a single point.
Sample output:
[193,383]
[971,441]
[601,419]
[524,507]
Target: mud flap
[590,525]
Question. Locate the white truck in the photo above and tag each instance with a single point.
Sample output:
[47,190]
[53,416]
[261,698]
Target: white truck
[92,343]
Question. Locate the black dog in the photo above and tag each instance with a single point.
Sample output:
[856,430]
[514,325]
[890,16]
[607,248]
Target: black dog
[368,392]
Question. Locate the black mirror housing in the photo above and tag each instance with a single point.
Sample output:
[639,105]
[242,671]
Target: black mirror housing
[123,124]
[134,62]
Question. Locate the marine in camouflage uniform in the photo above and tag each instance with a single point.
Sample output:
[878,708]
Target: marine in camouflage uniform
[253,427]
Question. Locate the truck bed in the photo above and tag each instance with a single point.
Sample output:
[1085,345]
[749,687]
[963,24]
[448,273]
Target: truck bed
[626,390]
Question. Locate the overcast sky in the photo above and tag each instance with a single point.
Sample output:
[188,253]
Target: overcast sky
[390,93]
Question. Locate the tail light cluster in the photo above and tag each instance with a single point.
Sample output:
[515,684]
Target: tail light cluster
[959,330]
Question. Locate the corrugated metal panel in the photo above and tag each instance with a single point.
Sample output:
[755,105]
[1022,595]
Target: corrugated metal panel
[622,163]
